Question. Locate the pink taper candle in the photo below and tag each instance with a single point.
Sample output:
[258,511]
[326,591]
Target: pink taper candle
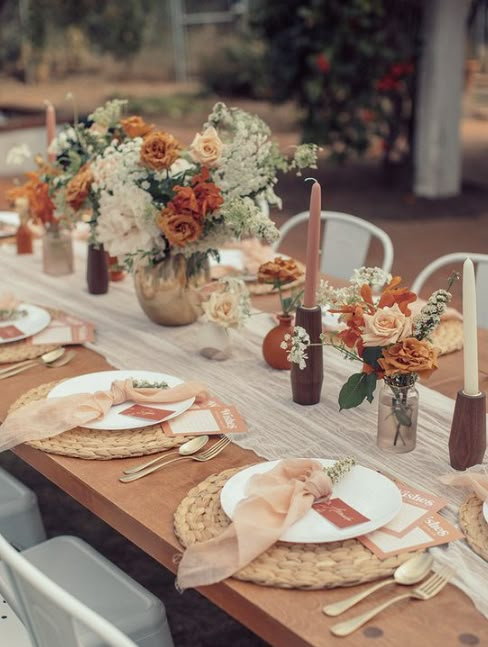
[50,127]
[313,246]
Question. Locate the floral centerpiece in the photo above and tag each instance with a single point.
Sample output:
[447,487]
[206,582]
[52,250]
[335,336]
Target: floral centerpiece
[389,342]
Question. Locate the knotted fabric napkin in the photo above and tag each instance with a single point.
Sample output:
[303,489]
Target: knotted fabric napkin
[274,501]
[476,481]
[50,417]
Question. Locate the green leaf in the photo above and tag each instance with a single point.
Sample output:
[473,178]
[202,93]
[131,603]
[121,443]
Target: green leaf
[371,354]
[371,386]
[354,391]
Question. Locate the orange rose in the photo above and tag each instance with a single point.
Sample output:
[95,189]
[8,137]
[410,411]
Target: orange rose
[208,197]
[78,188]
[409,356]
[159,150]
[179,228]
[136,126]
[185,200]
[280,270]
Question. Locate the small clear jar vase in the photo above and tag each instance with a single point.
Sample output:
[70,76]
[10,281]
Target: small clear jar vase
[398,405]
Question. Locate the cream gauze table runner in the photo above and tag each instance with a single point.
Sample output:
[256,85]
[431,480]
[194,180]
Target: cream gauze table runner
[278,428]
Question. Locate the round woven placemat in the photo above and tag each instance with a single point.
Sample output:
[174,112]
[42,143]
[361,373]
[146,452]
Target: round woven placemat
[97,444]
[474,526]
[289,566]
[17,351]
[448,336]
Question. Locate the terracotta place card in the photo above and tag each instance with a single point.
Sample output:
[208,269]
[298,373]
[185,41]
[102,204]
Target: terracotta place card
[432,530]
[417,504]
[339,513]
[10,332]
[65,329]
[210,419]
[148,413]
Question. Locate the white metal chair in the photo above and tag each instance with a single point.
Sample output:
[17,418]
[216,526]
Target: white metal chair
[345,242]
[20,519]
[481,269]
[67,595]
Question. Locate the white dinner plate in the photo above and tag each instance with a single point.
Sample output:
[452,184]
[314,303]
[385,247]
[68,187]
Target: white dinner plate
[102,381]
[367,491]
[485,511]
[35,320]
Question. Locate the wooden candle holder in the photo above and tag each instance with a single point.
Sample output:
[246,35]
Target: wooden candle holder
[467,442]
[306,384]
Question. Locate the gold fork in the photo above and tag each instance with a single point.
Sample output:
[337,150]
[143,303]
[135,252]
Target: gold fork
[202,457]
[427,590]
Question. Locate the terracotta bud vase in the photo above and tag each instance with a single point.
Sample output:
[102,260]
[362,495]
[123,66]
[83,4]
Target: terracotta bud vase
[115,271]
[274,355]
[23,239]
[97,270]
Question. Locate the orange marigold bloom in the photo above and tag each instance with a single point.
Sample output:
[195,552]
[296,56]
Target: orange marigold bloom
[393,294]
[135,126]
[78,187]
[282,270]
[37,193]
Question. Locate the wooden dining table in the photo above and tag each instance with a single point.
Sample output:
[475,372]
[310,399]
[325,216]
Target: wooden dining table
[143,513]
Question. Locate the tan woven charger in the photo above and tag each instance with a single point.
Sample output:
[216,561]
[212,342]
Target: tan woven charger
[474,526]
[289,566]
[448,336]
[17,351]
[96,444]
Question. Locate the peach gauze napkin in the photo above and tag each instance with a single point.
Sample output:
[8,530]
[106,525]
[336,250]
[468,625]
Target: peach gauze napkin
[476,481]
[50,417]
[274,501]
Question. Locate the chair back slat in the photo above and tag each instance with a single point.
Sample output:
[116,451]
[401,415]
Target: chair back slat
[482,293]
[51,616]
[344,248]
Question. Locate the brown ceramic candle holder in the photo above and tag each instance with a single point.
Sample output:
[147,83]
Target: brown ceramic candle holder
[467,442]
[306,384]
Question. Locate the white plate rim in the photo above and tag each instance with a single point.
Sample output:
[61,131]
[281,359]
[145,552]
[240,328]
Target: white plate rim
[126,422]
[485,511]
[331,533]
[31,309]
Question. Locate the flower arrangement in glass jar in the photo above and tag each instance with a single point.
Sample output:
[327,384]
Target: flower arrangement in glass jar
[382,335]
[226,304]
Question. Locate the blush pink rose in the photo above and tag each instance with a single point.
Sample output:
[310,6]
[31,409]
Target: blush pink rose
[386,326]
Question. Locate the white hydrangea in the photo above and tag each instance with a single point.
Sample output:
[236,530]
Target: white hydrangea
[18,154]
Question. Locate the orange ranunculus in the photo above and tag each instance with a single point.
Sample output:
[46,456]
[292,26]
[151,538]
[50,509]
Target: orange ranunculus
[185,200]
[409,356]
[179,228]
[393,294]
[135,126]
[159,150]
[201,198]
[280,270]
[37,193]
[208,195]
[78,187]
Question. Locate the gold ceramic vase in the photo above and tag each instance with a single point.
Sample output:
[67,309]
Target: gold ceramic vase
[168,292]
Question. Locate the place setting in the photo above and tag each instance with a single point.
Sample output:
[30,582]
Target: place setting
[118,414]
[313,524]
[31,332]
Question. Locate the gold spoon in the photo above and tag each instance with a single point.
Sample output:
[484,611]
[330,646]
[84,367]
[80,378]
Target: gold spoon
[45,359]
[190,447]
[410,572]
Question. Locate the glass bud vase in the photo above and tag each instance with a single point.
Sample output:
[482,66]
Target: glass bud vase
[398,405]
[57,250]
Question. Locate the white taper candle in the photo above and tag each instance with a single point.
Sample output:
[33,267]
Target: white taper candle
[471,381]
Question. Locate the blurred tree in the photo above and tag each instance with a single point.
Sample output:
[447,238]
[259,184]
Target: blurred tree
[112,26]
[349,65]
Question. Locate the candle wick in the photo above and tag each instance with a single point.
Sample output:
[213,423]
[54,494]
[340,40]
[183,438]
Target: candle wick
[314,179]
